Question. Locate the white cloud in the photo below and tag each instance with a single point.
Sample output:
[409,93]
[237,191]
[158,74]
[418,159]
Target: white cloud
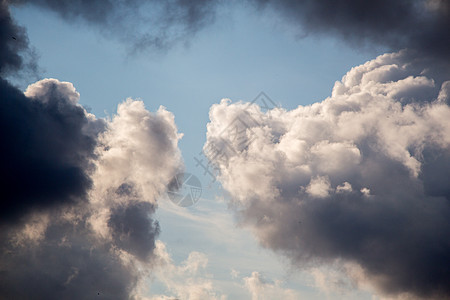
[48,88]
[188,280]
[319,187]
[137,151]
[345,187]
[261,289]
[383,133]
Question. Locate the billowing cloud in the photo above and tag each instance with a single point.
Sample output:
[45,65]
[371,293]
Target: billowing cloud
[135,142]
[46,148]
[360,177]
[78,194]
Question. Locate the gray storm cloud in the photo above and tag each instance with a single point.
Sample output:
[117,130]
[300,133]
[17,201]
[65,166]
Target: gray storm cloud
[361,177]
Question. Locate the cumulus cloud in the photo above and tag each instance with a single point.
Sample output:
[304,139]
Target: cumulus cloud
[46,150]
[78,194]
[137,157]
[360,177]
[139,148]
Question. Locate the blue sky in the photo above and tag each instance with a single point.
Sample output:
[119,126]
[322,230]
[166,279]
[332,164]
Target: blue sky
[239,56]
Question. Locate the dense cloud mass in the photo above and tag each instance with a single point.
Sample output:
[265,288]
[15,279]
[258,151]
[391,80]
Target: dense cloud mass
[46,149]
[75,223]
[361,177]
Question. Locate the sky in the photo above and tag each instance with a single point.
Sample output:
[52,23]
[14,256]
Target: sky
[337,190]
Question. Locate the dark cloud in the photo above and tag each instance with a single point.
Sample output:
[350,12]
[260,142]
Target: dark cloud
[133,230]
[69,262]
[53,242]
[60,238]
[48,249]
[13,40]
[435,172]
[419,24]
[17,58]
[142,24]
[397,235]
[44,150]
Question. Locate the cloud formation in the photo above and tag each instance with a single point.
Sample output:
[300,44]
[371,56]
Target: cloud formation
[46,148]
[78,193]
[359,177]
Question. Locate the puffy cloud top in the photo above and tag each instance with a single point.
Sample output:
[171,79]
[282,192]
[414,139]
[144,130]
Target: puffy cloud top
[358,177]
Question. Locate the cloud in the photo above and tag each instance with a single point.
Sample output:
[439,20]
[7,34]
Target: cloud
[140,24]
[137,157]
[421,25]
[139,148]
[189,280]
[132,230]
[261,289]
[16,56]
[358,177]
[78,193]
[47,149]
